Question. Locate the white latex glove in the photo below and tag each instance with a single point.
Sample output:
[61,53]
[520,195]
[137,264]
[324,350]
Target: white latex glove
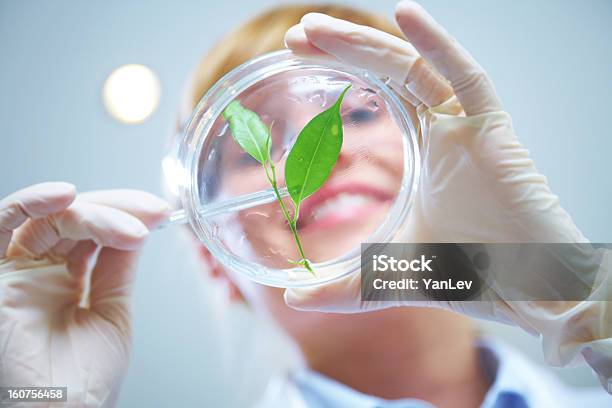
[477,184]
[48,236]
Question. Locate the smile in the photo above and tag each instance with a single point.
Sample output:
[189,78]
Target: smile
[339,204]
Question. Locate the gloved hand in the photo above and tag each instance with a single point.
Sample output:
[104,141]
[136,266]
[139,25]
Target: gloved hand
[477,182]
[56,329]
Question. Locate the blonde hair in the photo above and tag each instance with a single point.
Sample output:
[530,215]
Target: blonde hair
[263,34]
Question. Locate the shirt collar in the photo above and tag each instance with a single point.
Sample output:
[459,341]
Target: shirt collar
[321,391]
[517,382]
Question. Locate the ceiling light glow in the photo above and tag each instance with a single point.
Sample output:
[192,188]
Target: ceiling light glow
[131,93]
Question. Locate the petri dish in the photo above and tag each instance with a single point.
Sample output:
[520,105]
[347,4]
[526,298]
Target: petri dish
[229,203]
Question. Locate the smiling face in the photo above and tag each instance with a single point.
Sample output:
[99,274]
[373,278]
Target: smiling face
[348,208]
[351,204]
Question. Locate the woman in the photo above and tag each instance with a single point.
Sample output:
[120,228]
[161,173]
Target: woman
[418,356]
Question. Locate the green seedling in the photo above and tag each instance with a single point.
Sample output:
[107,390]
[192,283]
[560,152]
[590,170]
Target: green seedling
[310,160]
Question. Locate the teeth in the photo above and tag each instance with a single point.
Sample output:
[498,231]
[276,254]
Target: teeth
[341,202]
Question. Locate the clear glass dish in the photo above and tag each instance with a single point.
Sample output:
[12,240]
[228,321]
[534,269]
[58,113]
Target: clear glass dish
[228,201]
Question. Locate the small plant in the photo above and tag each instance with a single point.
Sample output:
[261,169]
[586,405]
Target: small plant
[310,160]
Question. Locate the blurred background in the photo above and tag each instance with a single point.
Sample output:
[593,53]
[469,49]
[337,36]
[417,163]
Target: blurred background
[550,61]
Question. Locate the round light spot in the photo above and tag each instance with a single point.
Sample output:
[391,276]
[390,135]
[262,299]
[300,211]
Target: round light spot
[131,93]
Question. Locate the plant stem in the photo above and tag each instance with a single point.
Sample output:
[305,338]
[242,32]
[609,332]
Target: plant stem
[290,221]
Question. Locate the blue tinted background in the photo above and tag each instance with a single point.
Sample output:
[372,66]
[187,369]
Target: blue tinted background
[550,61]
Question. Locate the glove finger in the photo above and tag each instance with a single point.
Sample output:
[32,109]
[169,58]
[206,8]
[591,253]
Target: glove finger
[81,221]
[32,202]
[373,50]
[148,208]
[297,41]
[111,286]
[469,81]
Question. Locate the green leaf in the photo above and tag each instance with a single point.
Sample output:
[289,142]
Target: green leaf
[315,152]
[248,131]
